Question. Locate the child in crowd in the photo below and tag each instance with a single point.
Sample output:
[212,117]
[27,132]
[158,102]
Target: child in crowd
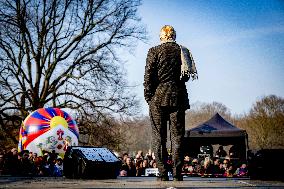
[242,171]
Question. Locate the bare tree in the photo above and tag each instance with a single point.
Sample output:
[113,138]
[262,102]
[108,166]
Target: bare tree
[137,134]
[63,53]
[101,132]
[265,123]
[121,135]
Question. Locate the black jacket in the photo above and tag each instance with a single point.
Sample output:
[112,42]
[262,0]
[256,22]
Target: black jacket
[162,84]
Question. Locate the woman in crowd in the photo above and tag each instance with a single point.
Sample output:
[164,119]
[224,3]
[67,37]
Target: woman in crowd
[207,167]
[139,168]
[129,167]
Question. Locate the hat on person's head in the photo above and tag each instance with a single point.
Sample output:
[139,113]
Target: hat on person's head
[167,33]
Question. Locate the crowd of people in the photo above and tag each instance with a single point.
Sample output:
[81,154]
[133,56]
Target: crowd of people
[26,163]
[137,166]
[221,165]
[214,167]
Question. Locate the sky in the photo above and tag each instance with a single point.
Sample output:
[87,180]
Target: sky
[237,45]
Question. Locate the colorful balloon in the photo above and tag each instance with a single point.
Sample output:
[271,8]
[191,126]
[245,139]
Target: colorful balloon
[48,129]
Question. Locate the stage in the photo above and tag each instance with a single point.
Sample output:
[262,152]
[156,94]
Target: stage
[134,182]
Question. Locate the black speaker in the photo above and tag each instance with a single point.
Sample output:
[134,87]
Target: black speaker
[90,162]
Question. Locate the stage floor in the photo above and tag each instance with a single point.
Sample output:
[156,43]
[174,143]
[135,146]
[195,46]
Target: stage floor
[135,182]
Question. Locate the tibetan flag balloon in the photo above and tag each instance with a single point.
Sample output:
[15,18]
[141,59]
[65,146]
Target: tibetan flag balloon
[48,129]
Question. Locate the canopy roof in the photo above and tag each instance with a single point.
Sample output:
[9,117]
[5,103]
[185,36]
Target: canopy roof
[217,126]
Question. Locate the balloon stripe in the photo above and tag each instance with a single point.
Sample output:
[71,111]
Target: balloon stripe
[37,115]
[74,131]
[27,118]
[35,121]
[24,133]
[71,121]
[34,136]
[58,112]
[67,117]
[51,112]
[44,113]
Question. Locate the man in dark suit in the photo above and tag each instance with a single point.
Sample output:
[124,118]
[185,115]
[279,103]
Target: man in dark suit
[166,95]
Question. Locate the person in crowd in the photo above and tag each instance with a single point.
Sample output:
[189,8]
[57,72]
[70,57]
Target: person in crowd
[151,163]
[139,155]
[13,162]
[229,172]
[52,160]
[123,173]
[34,156]
[139,168]
[170,163]
[221,152]
[153,156]
[216,171]
[38,161]
[196,167]
[46,165]
[207,167]
[27,165]
[154,165]
[242,171]
[124,157]
[234,151]
[187,168]
[225,167]
[149,155]
[221,169]
[58,168]
[145,165]
[187,159]
[2,164]
[30,156]
[129,167]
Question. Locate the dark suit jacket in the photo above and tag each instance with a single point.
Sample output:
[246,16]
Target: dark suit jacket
[162,84]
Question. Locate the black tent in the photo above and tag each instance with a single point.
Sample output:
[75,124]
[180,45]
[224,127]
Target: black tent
[216,131]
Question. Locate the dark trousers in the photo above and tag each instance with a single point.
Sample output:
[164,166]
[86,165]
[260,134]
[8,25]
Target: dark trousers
[159,117]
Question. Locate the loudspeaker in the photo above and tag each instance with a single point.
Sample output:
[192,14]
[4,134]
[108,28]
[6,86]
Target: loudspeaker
[90,162]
